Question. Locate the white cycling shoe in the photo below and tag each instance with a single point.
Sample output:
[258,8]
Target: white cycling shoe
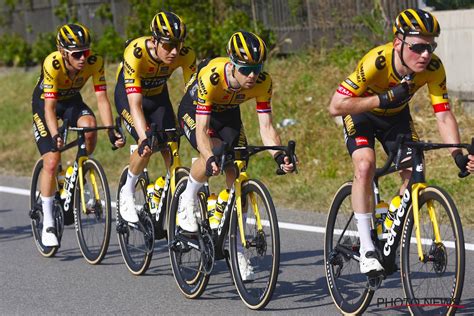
[246,269]
[48,237]
[186,217]
[127,208]
[370,263]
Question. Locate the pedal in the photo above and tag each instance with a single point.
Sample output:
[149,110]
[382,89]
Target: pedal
[374,281]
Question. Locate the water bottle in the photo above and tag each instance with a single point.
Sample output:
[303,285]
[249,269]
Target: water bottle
[381,210]
[392,211]
[150,192]
[221,203]
[61,177]
[65,186]
[211,208]
[158,190]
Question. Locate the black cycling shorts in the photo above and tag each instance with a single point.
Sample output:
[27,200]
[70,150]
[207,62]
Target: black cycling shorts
[226,125]
[71,109]
[157,109]
[360,130]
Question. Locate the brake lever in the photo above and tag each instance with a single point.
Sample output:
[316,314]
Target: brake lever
[470,150]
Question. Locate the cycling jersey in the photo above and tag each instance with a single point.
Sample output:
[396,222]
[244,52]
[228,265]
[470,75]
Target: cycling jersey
[56,84]
[212,92]
[147,75]
[376,73]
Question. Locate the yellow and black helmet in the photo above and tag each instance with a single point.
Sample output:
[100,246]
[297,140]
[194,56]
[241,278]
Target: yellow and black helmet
[73,36]
[416,22]
[168,26]
[246,48]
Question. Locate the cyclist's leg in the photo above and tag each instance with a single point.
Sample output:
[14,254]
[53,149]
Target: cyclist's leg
[360,140]
[51,161]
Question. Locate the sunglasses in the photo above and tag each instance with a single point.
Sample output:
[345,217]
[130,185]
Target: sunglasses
[170,45]
[80,53]
[247,70]
[419,48]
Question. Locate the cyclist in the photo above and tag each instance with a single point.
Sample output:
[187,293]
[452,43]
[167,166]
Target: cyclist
[141,93]
[57,95]
[209,113]
[373,102]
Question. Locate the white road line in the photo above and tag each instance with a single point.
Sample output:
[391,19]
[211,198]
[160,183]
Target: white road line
[290,226]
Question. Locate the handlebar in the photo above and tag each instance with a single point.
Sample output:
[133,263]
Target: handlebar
[225,154]
[395,149]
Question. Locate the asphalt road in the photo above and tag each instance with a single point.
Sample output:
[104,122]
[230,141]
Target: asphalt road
[66,284]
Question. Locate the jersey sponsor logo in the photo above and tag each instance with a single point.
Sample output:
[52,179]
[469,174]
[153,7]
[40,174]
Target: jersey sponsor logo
[361,141]
[129,69]
[360,74]
[79,80]
[39,125]
[434,64]
[441,107]
[445,96]
[352,84]
[92,59]
[184,51]
[380,61]
[47,74]
[127,117]
[151,69]
[50,95]
[164,70]
[188,120]
[127,81]
[130,90]
[48,86]
[442,85]
[151,83]
[101,87]
[201,87]
[262,77]
[214,78]
[137,52]
[344,91]
[56,64]
[201,100]
[349,125]
[102,78]
[240,97]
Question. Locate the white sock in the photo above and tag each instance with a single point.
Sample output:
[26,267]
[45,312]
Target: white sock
[47,203]
[129,186]
[192,188]
[363,226]
[240,248]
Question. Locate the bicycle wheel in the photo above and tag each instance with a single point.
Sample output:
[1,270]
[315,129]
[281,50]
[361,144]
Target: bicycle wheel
[348,287]
[262,253]
[36,214]
[136,240]
[93,213]
[186,261]
[434,286]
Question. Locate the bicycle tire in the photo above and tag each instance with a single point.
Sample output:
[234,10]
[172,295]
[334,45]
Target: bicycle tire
[186,262]
[437,281]
[263,251]
[136,242]
[36,214]
[93,226]
[345,282]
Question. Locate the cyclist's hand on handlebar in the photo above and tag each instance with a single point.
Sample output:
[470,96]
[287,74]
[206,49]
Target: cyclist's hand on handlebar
[115,138]
[395,96]
[212,167]
[465,163]
[57,142]
[283,162]
[144,148]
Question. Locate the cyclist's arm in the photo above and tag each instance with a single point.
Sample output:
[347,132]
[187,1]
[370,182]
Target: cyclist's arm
[344,104]
[136,110]
[50,115]
[268,133]
[448,129]
[204,142]
[105,110]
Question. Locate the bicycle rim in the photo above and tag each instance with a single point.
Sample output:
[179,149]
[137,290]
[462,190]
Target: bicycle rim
[185,260]
[136,241]
[262,253]
[434,286]
[348,287]
[93,224]
[36,212]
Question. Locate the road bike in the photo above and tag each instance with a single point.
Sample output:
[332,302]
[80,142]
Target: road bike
[193,255]
[84,200]
[427,223]
[137,240]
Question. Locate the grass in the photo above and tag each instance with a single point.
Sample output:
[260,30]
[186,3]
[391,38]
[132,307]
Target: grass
[303,86]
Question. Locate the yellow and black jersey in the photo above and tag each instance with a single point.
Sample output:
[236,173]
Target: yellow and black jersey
[56,84]
[212,92]
[376,73]
[147,75]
